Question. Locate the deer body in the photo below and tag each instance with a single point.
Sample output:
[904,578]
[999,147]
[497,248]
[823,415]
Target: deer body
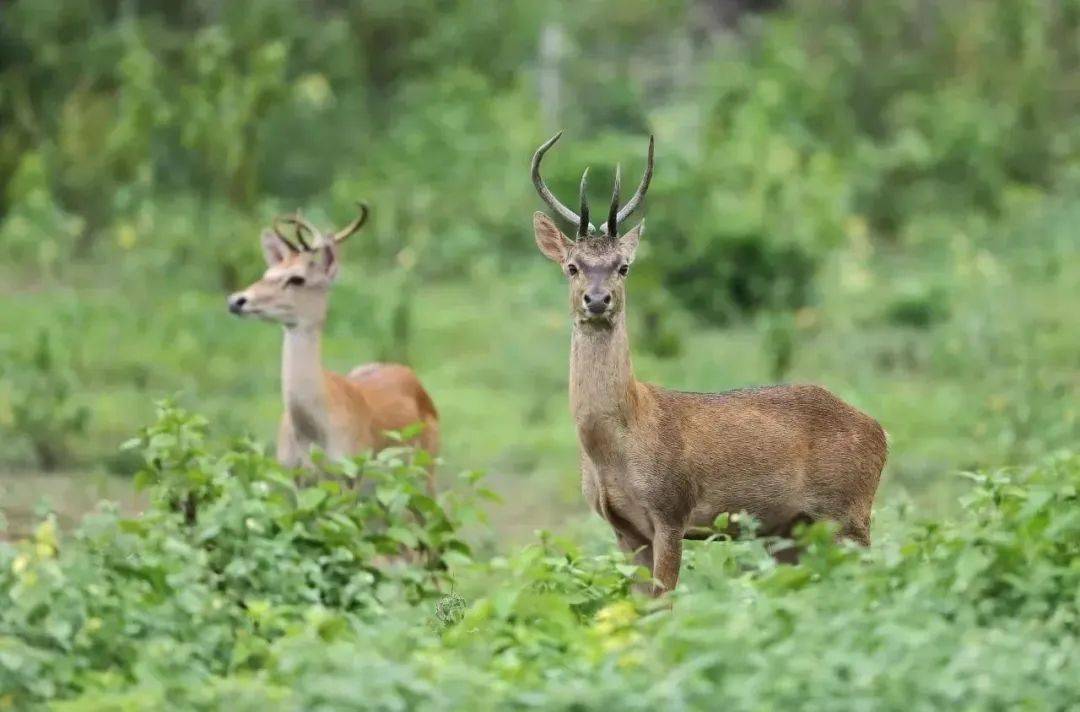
[346,415]
[341,415]
[661,465]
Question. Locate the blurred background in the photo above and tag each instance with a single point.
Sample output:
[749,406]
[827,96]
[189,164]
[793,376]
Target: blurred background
[881,197]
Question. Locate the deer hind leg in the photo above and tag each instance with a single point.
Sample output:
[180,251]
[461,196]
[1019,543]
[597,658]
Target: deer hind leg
[788,552]
[667,559]
[641,548]
[857,532]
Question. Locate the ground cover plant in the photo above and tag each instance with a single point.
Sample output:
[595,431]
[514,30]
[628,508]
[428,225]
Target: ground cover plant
[270,593]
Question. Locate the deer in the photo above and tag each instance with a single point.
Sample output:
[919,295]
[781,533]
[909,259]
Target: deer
[341,415]
[659,465]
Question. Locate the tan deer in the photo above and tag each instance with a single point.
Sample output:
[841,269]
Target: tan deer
[661,465]
[341,415]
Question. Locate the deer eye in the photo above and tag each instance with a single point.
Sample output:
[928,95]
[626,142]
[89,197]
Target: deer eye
[571,269]
[295,281]
[624,270]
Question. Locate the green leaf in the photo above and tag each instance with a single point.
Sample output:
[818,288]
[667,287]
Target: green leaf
[310,498]
[403,536]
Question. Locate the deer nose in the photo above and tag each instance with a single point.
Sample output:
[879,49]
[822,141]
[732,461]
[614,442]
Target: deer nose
[597,301]
[237,302]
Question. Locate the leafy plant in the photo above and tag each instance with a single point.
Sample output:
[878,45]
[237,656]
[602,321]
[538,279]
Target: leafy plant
[41,409]
[278,595]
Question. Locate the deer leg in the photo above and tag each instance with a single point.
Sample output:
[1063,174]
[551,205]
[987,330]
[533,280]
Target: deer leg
[667,559]
[288,451]
[641,548]
[790,552]
[856,532]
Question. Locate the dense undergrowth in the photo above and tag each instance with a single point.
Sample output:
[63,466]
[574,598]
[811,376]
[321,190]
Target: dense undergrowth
[265,593]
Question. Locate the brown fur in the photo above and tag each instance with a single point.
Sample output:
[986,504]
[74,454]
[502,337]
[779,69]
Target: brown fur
[341,415]
[661,465]
[361,407]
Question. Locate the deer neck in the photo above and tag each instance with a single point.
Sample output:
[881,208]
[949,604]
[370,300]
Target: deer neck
[303,383]
[602,383]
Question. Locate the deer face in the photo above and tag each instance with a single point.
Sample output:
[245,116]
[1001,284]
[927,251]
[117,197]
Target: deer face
[294,289]
[599,261]
[596,269]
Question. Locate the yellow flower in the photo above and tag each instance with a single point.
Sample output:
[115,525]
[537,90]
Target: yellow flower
[618,614]
[45,536]
[612,629]
[20,563]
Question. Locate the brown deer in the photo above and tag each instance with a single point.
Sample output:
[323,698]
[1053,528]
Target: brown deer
[661,465]
[342,415]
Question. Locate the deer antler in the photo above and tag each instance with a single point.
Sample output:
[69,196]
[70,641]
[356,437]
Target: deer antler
[642,188]
[612,226]
[615,215]
[564,212]
[342,234]
[281,235]
[584,226]
[301,225]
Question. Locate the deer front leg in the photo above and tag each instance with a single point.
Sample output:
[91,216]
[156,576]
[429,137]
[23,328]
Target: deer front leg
[288,450]
[667,559]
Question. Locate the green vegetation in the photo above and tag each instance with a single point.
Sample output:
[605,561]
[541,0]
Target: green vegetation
[877,197]
[272,595]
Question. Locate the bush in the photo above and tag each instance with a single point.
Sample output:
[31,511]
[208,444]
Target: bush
[37,387]
[233,554]
[770,139]
[918,307]
[283,595]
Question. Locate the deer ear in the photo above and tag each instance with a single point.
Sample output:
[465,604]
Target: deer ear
[328,257]
[628,243]
[274,249]
[552,243]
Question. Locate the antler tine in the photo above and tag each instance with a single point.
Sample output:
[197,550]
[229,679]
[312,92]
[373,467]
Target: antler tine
[613,213]
[276,226]
[642,188]
[298,221]
[584,228]
[564,212]
[342,234]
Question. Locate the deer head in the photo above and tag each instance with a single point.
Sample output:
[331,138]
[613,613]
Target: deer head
[598,262]
[293,290]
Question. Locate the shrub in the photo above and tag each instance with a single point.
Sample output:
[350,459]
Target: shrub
[233,554]
[275,595]
[918,307]
[41,410]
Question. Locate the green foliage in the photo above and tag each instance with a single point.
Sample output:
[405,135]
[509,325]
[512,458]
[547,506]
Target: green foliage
[124,599]
[293,596]
[37,405]
[918,307]
[772,141]
[37,232]
[780,342]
